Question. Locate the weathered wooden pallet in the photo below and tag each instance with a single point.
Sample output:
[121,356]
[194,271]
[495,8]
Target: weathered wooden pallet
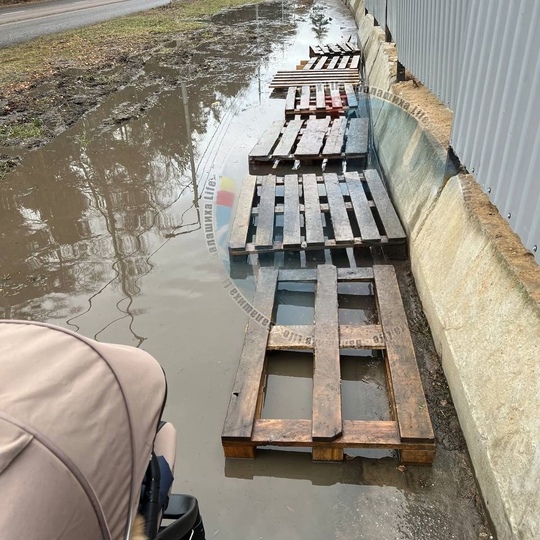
[336,49]
[320,100]
[299,77]
[325,62]
[314,139]
[319,212]
[409,431]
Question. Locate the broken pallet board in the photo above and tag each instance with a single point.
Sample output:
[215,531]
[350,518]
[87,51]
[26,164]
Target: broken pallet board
[409,430]
[299,77]
[314,139]
[319,212]
[320,100]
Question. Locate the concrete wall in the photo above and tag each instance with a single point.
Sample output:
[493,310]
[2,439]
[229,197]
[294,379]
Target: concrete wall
[480,291]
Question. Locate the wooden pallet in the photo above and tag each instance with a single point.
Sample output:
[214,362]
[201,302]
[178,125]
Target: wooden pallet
[409,430]
[319,212]
[320,100]
[299,77]
[314,139]
[336,49]
[351,61]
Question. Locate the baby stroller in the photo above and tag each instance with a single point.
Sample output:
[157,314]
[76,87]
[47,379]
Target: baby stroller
[82,446]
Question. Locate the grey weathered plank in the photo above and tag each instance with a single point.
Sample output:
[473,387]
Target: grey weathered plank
[357,136]
[265,219]
[312,139]
[406,387]
[319,98]
[291,218]
[304,97]
[355,62]
[340,220]
[364,216]
[333,63]
[389,217]
[241,413]
[290,102]
[334,141]
[310,275]
[321,62]
[264,146]
[242,217]
[327,421]
[286,143]
[351,95]
[310,63]
[344,61]
[312,211]
[336,98]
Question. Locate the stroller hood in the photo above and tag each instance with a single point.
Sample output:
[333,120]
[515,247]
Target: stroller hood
[77,424]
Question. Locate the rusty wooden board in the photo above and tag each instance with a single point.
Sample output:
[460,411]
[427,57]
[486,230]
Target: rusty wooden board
[409,429]
[352,217]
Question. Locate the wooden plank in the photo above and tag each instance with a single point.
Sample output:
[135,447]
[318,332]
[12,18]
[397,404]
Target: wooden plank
[312,139]
[242,217]
[355,274]
[357,136]
[310,275]
[291,217]
[387,212]
[355,62]
[265,220]
[327,454]
[340,220]
[364,216]
[243,403]
[404,378]
[352,100]
[310,63]
[335,139]
[239,451]
[344,61]
[319,100]
[335,97]
[333,63]
[327,422]
[290,102]
[321,62]
[356,434]
[367,336]
[298,337]
[417,457]
[335,48]
[288,139]
[304,97]
[264,146]
[312,211]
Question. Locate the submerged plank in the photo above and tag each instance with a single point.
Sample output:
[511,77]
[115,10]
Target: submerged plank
[264,146]
[291,218]
[243,403]
[265,219]
[327,421]
[242,217]
[406,387]
[387,212]
[340,220]
[312,211]
[364,216]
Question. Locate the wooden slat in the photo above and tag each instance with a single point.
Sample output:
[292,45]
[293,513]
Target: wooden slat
[355,62]
[335,97]
[304,97]
[312,211]
[355,274]
[334,141]
[319,99]
[356,434]
[243,403]
[352,100]
[357,136]
[384,205]
[290,102]
[310,63]
[286,143]
[242,217]
[333,63]
[312,140]
[265,220]
[321,62]
[264,146]
[364,216]
[327,423]
[310,275]
[291,218]
[406,387]
[344,61]
[340,220]
[368,336]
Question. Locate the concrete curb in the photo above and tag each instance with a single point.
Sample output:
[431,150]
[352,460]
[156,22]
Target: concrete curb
[480,290]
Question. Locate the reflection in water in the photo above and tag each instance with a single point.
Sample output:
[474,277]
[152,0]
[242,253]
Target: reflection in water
[82,218]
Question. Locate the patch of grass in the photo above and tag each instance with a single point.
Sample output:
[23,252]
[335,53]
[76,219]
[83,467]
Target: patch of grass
[27,130]
[102,44]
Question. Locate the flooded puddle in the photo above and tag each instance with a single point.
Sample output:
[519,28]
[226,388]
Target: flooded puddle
[102,232]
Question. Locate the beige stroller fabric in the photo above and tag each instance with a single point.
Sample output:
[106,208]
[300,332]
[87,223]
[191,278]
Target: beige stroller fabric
[77,424]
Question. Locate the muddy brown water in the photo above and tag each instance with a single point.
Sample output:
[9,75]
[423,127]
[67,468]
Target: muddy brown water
[102,232]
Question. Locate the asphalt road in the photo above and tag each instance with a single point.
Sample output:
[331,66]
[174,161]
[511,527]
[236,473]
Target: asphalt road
[28,21]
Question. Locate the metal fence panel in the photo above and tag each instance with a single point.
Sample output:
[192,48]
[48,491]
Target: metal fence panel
[482,59]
